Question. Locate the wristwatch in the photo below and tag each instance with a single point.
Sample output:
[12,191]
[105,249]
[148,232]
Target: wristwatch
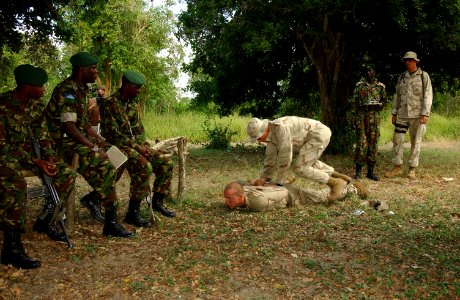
[95,148]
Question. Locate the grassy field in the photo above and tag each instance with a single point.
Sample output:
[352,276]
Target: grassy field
[309,252]
[190,125]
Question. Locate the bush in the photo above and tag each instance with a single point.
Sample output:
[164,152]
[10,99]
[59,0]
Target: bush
[219,136]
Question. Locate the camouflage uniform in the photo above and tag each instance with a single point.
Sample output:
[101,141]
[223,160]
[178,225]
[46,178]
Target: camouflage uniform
[366,119]
[265,198]
[307,137]
[413,99]
[69,102]
[121,126]
[16,129]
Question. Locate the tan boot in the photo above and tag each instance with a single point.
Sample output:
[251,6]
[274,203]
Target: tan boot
[411,174]
[338,188]
[397,171]
[341,176]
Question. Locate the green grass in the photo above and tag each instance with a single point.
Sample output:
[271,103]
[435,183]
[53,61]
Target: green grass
[190,125]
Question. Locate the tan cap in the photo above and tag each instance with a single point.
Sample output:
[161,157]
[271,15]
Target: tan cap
[410,55]
[256,128]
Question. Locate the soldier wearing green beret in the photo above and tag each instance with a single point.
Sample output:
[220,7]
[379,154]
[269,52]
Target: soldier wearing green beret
[121,126]
[20,122]
[68,119]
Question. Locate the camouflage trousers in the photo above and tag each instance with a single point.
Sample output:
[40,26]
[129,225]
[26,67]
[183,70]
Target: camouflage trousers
[308,164]
[98,172]
[302,196]
[140,168]
[416,132]
[13,191]
[367,137]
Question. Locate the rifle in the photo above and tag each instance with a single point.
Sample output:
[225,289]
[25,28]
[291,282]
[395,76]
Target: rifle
[53,203]
[153,217]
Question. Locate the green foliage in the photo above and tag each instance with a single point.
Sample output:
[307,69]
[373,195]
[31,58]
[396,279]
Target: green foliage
[219,136]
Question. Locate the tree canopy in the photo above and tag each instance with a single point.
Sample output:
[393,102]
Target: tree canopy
[258,54]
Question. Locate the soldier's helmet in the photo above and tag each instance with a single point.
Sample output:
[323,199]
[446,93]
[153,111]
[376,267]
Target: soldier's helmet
[256,128]
[410,55]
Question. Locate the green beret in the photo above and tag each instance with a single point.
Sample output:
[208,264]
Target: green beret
[83,59]
[28,74]
[134,77]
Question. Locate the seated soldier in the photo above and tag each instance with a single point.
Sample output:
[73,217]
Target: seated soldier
[16,155]
[272,196]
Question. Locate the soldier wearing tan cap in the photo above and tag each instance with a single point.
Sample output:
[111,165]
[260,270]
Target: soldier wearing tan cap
[411,110]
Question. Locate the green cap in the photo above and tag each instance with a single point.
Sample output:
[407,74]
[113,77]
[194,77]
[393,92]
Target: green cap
[134,77]
[28,74]
[84,59]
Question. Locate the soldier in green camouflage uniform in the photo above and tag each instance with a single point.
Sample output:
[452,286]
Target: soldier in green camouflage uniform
[368,100]
[18,127]
[121,126]
[68,122]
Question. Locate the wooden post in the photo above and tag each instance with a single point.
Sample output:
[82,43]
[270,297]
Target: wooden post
[181,152]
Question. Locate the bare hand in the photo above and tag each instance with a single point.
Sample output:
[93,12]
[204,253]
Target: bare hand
[260,182]
[103,154]
[49,168]
[424,119]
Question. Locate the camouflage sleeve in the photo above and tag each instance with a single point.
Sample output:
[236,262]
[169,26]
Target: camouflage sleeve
[428,95]
[39,129]
[111,123]
[283,137]
[136,125]
[271,153]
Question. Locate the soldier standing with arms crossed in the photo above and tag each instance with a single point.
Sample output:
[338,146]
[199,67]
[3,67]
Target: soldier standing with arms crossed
[369,98]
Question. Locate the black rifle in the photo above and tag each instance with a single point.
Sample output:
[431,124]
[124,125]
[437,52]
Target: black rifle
[52,201]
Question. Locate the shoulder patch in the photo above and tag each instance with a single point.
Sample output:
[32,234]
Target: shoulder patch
[69,96]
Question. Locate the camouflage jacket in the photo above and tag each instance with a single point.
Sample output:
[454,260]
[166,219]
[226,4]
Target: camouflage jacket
[120,122]
[287,135]
[413,97]
[261,198]
[17,128]
[69,102]
[366,93]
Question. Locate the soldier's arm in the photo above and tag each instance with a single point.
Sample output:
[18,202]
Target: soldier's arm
[283,136]
[427,96]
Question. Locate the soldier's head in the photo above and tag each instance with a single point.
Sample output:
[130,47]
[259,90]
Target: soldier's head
[410,60]
[131,84]
[30,80]
[369,72]
[234,195]
[84,67]
[257,130]
[100,90]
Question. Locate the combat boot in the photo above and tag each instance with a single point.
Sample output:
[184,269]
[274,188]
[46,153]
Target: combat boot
[358,169]
[93,203]
[13,251]
[43,225]
[341,176]
[370,172]
[411,174]
[158,205]
[338,188]
[111,225]
[133,216]
[397,171]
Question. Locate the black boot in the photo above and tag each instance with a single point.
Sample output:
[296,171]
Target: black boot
[93,203]
[358,171]
[13,251]
[370,172]
[43,225]
[111,225]
[158,206]
[133,216]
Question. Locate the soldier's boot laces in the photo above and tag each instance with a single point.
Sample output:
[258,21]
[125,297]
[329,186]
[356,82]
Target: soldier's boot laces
[411,174]
[133,216]
[396,171]
[370,173]
[13,251]
[341,176]
[337,186]
[358,169]
[111,225]
[158,206]
[92,202]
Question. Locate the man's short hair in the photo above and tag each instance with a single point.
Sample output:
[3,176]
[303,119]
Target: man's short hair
[235,186]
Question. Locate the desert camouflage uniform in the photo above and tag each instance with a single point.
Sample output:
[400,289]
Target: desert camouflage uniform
[121,126]
[290,135]
[366,119]
[413,99]
[16,155]
[265,198]
[69,103]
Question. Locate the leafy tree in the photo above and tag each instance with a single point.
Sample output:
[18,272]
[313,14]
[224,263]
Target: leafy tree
[260,52]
